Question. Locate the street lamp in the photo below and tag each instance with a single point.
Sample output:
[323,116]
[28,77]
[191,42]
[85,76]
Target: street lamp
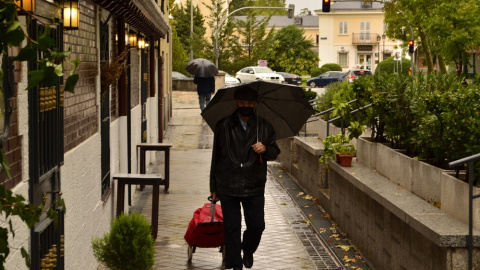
[290,8]
[378,48]
[383,51]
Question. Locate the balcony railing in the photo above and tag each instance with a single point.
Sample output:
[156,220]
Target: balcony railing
[365,38]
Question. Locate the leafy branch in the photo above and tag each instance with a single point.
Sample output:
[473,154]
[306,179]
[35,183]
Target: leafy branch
[50,69]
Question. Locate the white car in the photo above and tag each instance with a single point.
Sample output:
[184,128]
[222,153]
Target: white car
[229,79]
[255,73]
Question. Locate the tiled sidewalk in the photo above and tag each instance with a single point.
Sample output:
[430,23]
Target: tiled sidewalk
[288,242]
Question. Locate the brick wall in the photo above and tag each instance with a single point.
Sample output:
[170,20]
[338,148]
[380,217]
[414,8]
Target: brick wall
[13,144]
[80,109]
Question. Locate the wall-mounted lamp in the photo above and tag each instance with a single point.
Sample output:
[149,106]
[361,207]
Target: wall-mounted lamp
[133,39]
[71,14]
[25,5]
[141,42]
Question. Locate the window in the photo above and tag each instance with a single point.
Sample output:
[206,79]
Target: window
[343,59]
[343,28]
[365,31]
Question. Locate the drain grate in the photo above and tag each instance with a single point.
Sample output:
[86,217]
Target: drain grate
[328,233]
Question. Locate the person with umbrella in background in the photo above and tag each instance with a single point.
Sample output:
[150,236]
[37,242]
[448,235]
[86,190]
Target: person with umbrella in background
[205,90]
[243,143]
[204,71]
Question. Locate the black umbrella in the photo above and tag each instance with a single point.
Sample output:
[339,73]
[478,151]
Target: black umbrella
[201,67]
[283,105]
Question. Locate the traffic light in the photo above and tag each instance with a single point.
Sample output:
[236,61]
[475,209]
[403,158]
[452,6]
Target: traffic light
[326,6]
[410,46]
[291,11]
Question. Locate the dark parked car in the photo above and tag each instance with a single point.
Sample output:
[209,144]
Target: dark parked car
[326,78]
[355,73]
[291,78]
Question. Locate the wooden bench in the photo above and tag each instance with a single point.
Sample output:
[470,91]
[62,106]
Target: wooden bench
[142,148]
[140,179]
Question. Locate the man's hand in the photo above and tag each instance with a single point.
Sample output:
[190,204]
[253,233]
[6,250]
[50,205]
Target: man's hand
[214,196]
[259,148]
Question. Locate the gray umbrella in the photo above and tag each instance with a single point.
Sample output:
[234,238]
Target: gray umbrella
[283,105]
[201,67]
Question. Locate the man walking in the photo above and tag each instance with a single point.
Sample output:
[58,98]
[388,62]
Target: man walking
[243,143]
[205,90]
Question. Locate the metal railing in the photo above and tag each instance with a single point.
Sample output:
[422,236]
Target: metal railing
[328,120]
[470,160]
[342,122]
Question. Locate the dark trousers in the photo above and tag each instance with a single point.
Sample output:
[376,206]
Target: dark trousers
[254,213]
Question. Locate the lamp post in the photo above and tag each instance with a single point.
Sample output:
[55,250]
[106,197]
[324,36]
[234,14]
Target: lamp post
[290,8]
[383,51]
[378,48]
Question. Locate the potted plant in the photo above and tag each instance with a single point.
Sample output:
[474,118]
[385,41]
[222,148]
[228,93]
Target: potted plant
[345,154]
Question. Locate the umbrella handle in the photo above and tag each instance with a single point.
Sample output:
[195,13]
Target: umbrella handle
[261,161]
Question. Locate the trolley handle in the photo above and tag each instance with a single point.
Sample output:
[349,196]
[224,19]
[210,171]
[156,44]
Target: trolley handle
[212,200]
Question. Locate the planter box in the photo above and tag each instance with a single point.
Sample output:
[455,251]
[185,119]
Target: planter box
[395,166]
[455,199]
[422,179]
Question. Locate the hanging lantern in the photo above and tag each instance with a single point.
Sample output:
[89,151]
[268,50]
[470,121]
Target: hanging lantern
[25,5]
[71,14]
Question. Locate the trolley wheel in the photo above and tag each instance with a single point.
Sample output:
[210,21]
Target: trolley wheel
[190,253]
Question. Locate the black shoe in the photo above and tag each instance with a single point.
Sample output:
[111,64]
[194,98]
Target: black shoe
[237,268]
[248,260]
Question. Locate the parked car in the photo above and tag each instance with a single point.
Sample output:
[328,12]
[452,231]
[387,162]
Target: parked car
[229,79]
[179,76]
[291,78]
[326,78]
[355,73]
[254,73]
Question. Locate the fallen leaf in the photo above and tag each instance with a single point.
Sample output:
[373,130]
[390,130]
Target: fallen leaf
[345,247]
[310,216]
[307,197]
[306,206]
[283,204]
[322,230]
[300,194]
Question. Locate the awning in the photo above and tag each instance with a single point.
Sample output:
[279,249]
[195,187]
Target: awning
[143,15]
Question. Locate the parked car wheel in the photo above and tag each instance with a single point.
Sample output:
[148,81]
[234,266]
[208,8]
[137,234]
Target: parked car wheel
[313,85]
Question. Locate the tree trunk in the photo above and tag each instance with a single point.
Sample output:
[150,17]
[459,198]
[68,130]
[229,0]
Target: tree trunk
[441,64]
[426,50]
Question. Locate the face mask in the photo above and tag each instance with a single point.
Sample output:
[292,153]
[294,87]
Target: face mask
[246,111]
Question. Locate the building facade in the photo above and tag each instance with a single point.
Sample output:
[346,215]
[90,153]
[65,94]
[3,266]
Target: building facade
[69,145]
[352,35]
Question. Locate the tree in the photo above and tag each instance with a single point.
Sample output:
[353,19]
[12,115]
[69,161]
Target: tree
[444,30]
[196,42]
[228,44]
[179,54]
[290,51]
[254,38]
[236,4]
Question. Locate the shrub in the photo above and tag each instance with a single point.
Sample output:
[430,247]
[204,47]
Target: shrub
[388,65]
[332,67]
[128,246]
[309,94]
[317,71]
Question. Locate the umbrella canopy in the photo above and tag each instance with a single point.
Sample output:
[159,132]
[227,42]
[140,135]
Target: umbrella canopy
[201,67]
[283,105]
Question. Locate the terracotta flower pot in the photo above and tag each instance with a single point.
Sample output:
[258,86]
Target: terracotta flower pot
[337,158]
[346,160]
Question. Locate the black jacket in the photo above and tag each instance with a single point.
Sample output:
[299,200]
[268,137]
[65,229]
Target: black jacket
[204,85]
[236,169]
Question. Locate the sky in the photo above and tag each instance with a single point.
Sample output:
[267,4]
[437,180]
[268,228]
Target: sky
[301,4]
